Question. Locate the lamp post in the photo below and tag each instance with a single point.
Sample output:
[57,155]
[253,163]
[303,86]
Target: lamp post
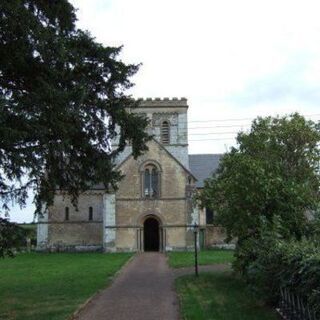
[195,231]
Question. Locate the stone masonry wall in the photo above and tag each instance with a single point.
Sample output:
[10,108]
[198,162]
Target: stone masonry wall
[214,235]
[171,208]
[78,232]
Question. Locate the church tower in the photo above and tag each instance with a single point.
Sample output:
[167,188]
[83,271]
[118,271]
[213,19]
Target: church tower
[168,125]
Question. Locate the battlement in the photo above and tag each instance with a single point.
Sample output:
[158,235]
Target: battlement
[162,102]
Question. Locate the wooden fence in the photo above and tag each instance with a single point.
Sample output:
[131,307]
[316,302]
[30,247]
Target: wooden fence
[292,307]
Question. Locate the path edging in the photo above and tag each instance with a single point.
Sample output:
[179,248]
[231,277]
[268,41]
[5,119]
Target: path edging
[82,306]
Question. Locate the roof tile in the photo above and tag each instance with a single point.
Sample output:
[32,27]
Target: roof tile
[203,165]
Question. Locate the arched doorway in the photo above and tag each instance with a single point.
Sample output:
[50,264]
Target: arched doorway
[151,234]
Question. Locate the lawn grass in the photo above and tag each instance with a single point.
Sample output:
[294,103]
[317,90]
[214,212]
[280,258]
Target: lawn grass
[186,259]
[219,296]
[51,286]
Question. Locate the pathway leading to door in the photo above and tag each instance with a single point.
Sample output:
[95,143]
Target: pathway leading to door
[144,290]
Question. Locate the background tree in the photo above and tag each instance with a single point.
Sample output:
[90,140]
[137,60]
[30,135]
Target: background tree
[11,236]
[62,96]
[273,175]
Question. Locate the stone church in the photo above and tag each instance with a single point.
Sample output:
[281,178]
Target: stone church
[152,210]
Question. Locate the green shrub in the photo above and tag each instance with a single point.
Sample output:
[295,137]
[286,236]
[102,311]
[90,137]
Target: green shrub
[11,237]
[279,263]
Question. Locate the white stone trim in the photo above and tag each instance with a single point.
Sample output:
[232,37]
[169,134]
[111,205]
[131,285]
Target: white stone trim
[194,216]
[42,229]
[109,220]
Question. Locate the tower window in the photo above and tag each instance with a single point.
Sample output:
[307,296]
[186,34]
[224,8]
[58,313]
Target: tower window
[151,182]
[165,132]
[209,216]
[90,214]
[66,213]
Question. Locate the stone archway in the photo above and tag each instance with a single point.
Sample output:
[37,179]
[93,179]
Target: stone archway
[151,234]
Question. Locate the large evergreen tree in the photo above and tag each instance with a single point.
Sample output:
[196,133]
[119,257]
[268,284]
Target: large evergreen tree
[62,95]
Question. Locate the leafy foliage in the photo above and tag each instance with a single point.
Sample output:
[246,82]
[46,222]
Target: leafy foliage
[290,264]
[266,194]
[11,236]
[31,233]
[62,97]
[274,172]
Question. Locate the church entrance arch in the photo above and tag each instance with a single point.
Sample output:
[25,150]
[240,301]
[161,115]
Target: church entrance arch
[151,234]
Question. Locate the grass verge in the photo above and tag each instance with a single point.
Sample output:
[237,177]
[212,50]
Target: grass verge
[205,257]
[219,296]
[52,286]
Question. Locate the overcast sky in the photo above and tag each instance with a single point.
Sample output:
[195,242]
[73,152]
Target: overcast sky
[231,59]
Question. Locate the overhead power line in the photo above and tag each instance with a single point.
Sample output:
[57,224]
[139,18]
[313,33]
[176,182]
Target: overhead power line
[244,119]
[193,140]
[226,126]
[221,120]
[208,133]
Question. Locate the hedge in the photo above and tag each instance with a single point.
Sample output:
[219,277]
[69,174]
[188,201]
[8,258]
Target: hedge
[290,264]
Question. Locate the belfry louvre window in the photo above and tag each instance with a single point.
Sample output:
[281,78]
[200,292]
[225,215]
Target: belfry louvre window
[165,132]
[151,182]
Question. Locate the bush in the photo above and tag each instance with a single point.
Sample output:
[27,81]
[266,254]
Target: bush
[11,237]
[278,263]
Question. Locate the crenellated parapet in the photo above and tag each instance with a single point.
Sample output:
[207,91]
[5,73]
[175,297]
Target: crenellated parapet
[162,102]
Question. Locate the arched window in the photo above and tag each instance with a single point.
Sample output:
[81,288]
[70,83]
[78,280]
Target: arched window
[66,213]
[90,214]
[165,132]
[151,182]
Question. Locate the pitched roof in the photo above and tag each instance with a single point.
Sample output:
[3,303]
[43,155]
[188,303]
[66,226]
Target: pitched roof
[203,165]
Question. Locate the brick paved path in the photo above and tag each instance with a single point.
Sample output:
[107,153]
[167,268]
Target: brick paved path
[144,290]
